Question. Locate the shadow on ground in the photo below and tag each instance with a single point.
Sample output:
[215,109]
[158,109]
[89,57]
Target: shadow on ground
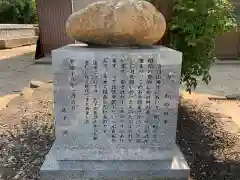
[208,148]
[27,133]
[24,149]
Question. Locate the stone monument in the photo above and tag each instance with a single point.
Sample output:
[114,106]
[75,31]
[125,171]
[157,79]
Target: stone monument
[117,23]
[115,113]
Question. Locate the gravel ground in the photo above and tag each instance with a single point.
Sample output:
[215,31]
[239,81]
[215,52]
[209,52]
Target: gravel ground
[28,135]
[209,149]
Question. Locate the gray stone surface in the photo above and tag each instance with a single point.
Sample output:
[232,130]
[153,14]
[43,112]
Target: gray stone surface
[115,114]
[170,167]
[76,126]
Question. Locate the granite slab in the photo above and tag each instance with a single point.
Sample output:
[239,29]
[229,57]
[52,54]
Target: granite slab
[174,167]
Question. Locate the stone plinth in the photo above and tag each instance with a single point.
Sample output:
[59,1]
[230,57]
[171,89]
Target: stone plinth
[115,114]
[168,168]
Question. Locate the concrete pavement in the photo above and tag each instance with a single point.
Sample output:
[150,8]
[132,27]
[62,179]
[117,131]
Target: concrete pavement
[225,80]
[17,68]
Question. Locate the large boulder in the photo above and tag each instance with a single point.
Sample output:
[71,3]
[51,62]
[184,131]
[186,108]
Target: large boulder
[118,23]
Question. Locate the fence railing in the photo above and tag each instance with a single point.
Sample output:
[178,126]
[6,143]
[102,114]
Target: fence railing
[13,31]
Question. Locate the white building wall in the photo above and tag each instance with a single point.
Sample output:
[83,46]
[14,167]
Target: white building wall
[80,4]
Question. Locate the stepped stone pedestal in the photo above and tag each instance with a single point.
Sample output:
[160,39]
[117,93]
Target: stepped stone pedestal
[115,114]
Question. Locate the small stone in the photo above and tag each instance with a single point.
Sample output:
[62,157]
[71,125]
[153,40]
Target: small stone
[10,145]
[16,177]
[27,92]
[11,159]
[233,97]
[35,84]
[117,23]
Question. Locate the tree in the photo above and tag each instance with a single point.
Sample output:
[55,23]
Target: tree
[18,11]
[192,29]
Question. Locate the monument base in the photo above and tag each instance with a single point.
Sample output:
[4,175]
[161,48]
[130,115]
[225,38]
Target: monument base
[174,168]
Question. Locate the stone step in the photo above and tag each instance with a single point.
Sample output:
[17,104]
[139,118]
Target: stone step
[17,42]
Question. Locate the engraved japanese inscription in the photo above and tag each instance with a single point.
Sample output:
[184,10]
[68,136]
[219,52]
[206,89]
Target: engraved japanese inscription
[116,99]
[115,113]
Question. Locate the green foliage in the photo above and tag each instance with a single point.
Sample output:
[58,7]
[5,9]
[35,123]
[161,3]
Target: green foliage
[237,12]
[193,28]
[18,11]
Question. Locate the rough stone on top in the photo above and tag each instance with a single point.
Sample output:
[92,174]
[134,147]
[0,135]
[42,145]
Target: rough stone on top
[120,23]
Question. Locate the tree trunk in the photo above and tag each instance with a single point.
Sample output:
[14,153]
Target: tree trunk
[165,7]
